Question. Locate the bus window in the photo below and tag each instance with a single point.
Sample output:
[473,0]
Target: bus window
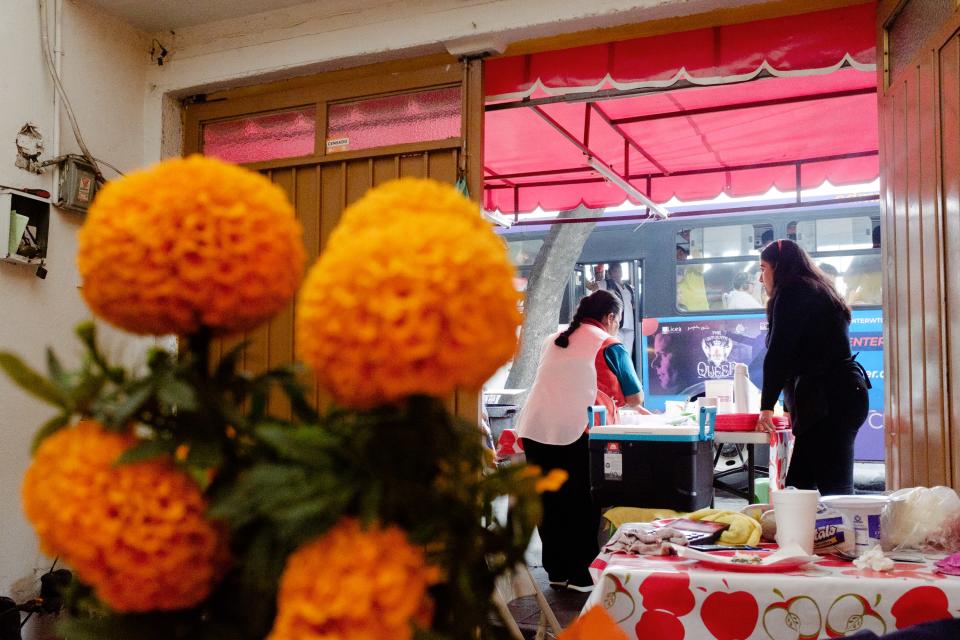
[857,278]
[834,234]
[725,241]
[719,286]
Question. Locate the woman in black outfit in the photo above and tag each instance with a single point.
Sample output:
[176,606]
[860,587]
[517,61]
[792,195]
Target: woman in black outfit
[808,358]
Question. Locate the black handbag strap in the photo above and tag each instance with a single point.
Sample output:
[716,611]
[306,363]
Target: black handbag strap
[856,366]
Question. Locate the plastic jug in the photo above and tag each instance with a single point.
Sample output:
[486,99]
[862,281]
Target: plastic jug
[741,388]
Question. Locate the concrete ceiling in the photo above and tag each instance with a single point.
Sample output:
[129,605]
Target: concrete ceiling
[162,15]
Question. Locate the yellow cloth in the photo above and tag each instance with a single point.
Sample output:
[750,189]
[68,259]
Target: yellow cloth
[691,290]
[619,515]
[743,529]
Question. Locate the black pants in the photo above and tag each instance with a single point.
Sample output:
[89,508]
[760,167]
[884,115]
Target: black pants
[823,449]
[570,519]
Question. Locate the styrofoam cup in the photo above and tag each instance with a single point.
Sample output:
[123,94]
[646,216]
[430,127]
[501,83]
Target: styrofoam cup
[795,511]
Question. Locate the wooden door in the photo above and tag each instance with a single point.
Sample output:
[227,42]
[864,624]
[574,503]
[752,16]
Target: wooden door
[920,161]
[322,184]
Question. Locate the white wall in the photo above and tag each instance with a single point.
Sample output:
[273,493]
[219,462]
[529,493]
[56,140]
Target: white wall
[104,66]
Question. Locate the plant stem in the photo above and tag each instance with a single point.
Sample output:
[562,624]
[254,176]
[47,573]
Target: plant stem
[198,351]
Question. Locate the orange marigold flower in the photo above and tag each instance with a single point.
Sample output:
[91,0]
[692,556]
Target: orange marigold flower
[190,243]
[135,533]
[595,624]
[354,584]
[552,481]
[413,294]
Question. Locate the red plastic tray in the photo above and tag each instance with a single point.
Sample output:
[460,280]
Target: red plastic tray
[746,422]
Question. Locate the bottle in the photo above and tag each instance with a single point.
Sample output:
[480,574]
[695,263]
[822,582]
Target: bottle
[741,388]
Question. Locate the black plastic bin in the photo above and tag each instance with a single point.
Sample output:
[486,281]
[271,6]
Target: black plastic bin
[655,471]
[664,475]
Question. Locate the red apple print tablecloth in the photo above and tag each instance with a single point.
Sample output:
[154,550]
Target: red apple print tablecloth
[669,598]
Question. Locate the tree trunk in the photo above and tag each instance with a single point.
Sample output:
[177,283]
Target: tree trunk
[544,294]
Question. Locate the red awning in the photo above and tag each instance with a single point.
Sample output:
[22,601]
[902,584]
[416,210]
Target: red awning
[818,42]
[812,106]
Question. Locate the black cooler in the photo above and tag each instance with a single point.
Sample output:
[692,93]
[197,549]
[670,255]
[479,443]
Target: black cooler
[662,466]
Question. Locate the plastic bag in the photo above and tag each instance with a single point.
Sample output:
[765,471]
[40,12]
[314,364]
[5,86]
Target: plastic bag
[927,519]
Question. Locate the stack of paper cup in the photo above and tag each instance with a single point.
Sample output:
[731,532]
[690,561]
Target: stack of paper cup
[722,390]
[795,511]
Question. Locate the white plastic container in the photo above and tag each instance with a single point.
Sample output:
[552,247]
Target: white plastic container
[741,388]
[862,514]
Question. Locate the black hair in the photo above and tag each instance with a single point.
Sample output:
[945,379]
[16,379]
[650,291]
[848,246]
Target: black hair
[742,280]
[792,265]
[829,269]
[596,306]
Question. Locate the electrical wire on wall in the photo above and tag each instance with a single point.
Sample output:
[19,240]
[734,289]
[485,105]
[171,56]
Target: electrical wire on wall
[58,84]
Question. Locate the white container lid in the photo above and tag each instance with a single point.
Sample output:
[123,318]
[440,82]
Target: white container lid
[855,502]
[646,430]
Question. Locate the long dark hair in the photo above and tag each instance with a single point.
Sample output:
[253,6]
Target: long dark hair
[792,265]
[596,306]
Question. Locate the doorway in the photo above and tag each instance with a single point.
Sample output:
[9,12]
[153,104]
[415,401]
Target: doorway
[325,141]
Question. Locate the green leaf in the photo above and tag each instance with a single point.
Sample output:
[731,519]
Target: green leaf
[87,332]
[57,374]
[147,450]
[176,393]
[261,566]
[310,517]
[200,477]
[48,429]
[31,381]
[306,444]
[205,454]
[259,491]
[228,363]
[136,395]
[86,391]
[302,408]
[258,403]
[158,359]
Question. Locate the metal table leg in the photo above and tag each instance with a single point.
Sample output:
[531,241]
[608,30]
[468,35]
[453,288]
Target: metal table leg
[751,476]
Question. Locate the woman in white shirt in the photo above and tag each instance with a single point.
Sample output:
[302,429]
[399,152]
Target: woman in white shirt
[579,367]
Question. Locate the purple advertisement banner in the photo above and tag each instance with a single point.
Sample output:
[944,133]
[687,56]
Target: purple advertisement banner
[682,353]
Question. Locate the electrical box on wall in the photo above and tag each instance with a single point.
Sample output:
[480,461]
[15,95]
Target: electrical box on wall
[24,227]
[78,184]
